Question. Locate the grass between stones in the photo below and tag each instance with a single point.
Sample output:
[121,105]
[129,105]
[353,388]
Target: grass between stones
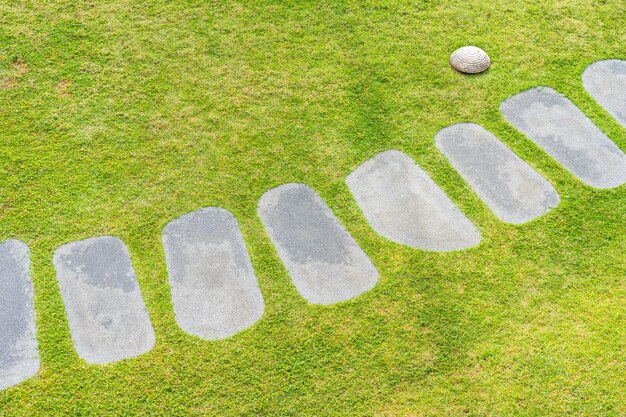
[117,117]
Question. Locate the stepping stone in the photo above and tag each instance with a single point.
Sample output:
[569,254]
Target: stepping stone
[605,81]
[509,186]
[402,203]
[105,309]
[326,265]
[19,356]
[563,131]
[214,290]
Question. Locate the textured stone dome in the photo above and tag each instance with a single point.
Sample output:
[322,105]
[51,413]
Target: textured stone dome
[470,60]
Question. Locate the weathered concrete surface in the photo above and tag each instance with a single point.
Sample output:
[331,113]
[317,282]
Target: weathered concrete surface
[214,290]
[563,131]
[509,186]
[19,356]
[105,309]
[606,83]
[402,203]
[325,263]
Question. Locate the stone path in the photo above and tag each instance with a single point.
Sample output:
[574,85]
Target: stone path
[19,356]
[561,129]
[104,306]
[326,265]
[402,203]
[514,191]
[214,290]
[606,83]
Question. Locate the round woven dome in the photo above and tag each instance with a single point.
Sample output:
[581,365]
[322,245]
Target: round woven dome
[470,60]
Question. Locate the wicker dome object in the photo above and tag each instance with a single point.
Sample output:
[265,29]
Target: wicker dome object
[470,60]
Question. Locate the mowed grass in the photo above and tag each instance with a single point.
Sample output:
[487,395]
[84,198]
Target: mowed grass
[118,116]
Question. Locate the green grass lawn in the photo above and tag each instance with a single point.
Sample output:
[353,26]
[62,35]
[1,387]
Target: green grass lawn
[118,116]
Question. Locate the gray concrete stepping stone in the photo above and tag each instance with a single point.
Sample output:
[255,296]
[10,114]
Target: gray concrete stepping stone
[563,131]
[606,83]
[19,356]
[325,263]
[105,309]
[402,203]
[214,290]
[509,186]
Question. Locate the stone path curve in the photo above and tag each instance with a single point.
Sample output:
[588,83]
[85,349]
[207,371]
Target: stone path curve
[215,293]
[402,203]
[325,263]
[19,355]
[555,124]
[105,310]
[605,81]
[514,191]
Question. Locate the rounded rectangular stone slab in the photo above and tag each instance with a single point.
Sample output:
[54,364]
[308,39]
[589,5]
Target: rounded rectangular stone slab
[214,290]
[402,203]
[563,131]
[106,313]
[326,265]
[514,191]
[19,355]
[605,81]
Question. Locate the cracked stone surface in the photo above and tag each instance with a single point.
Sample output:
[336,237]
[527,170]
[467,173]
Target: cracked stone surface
[106,313]
[402,203]
[325,263]
[555,124]
[514,191]
[19,355]
[605,81]
[214,289]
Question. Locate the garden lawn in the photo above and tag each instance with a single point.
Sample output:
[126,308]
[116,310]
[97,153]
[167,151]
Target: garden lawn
[118,116]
